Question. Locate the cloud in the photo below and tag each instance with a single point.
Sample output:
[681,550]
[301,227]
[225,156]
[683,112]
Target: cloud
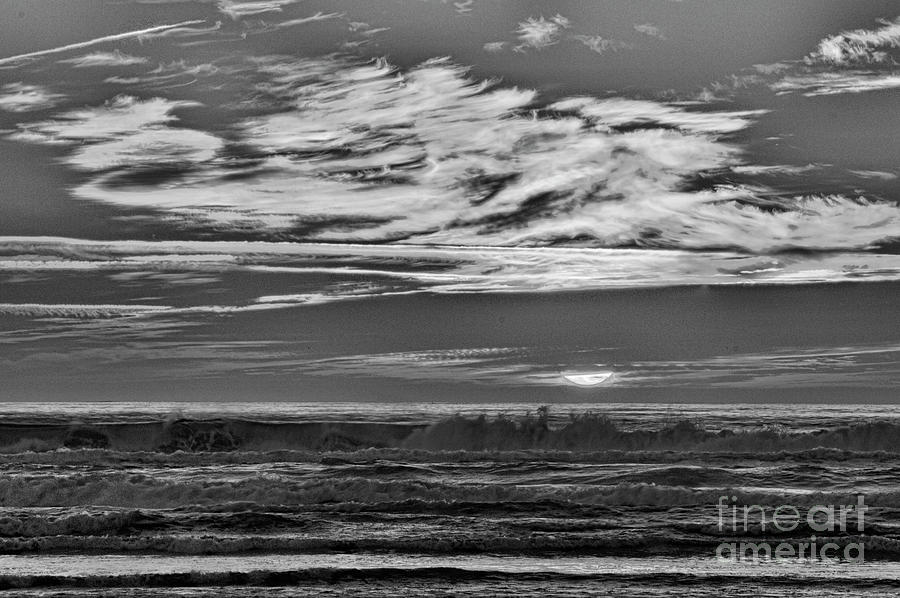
[464,7]
[649,29]
[151,147]
[19,97]
[494,46]
[365,29]
[825,84]
[125,132]
[621,112]
[77,311]
[357,272]
[262,27]
[539,33]
[875,174]
[107,311]
[873,366]
[168,75]
[236,10]
[861,46]
[775,169]
[138,33]
[858,366]
[121,116]
[319,16]
[152,357]
[84,330]
[329,134]
[850,62]
[602,45]
[361,152]
[104,59]
[169,279]
[484,365]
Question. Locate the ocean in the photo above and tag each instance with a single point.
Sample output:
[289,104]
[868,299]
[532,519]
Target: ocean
[297,499]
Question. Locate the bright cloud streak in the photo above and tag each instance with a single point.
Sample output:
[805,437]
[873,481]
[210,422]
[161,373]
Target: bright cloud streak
[104,59]
[98,40]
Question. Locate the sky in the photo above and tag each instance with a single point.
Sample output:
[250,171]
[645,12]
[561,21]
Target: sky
[661,200]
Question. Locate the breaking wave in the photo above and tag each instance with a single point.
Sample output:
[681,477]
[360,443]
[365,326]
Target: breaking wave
[562,543]
[122,490]
[584,432]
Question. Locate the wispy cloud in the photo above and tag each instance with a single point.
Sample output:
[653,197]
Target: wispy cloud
[104,59]
[106,311]
[602,45]
[861,46]
[124,132]
[150,31]
[265,27]
[168,75]
[435,114]
[617,112]
[236,9]
[442,158]
[538,33]
[365,29]
[875,174]
[858,366]
[649,29]
[775,169]
[78,311]
[485,365]
[850,62]
[151,357]
[464,7]
[373,270]
[825,84]
[19,97]
[319,16]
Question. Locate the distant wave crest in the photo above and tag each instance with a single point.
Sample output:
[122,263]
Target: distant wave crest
[585,432]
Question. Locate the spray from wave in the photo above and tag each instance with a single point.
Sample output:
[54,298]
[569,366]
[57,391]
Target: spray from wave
[582,432]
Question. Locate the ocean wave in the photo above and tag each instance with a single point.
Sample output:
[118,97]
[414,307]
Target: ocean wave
[27,525]
[178,459]
[615,543]
[576,543]
[584,432]
[439,574]
[115,489]
[619,542]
